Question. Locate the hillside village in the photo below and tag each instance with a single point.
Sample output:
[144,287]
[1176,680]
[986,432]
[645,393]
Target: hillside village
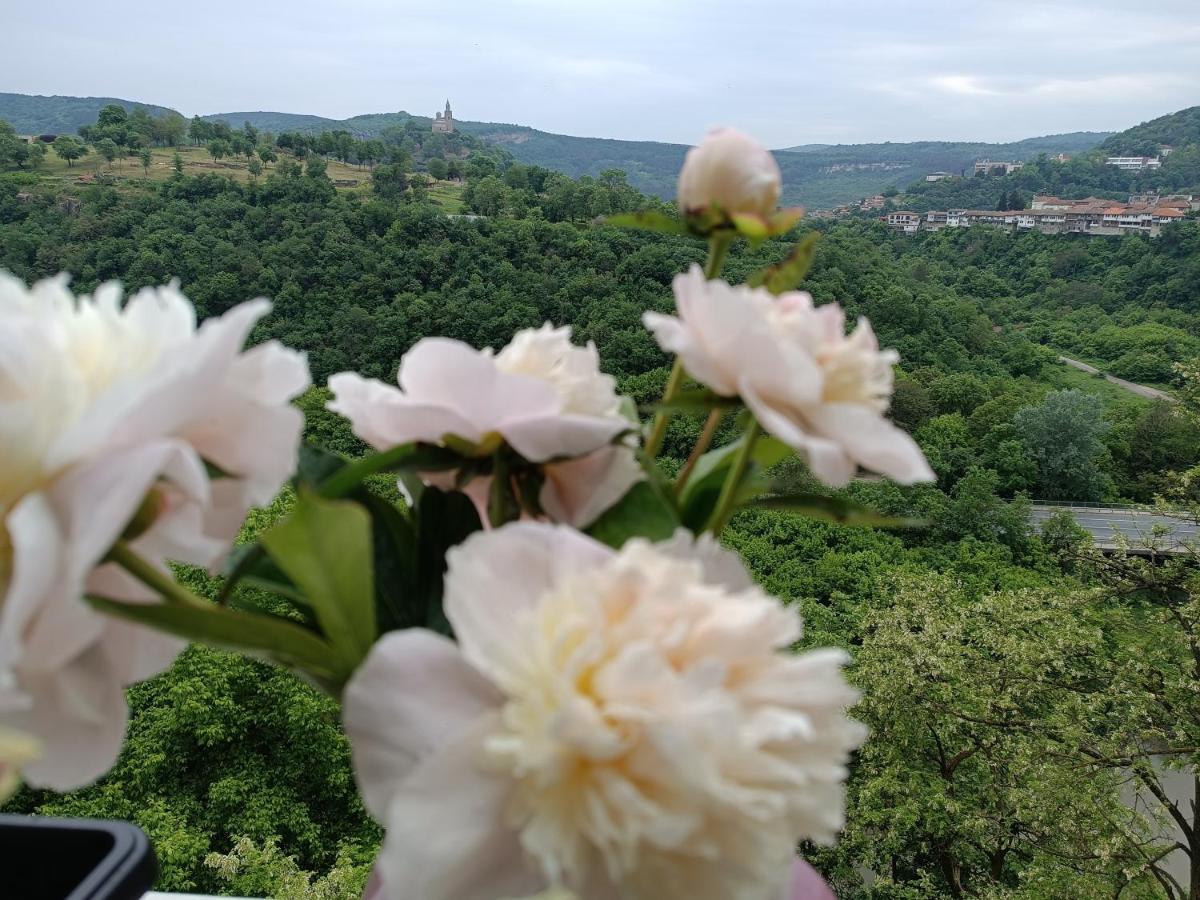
[1095,216]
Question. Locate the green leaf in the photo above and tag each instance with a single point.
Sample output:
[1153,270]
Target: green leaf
[324,547]
[444,520]
[250,563]
[790,271]
[644,511]
[697,400]
[315,465]
[339,481]
[398,603]
[284,641]
[648,220]
[833,509]
[752,226]
[702,490]
[503,505]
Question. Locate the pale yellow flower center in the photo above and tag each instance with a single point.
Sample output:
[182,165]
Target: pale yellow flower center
[16,751]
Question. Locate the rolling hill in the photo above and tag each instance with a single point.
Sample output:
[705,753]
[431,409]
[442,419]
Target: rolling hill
[815,175]
[34,114]
[1147,139]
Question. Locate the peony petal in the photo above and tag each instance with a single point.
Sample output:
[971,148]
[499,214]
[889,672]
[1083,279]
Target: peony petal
[805,883]
[79,716]
[384,417]
[494,578]
[447,373]
[872,441]
[577,491]
[252,431]
[57,629]
[543,437]
[721,566]
[446,832]
[411,695]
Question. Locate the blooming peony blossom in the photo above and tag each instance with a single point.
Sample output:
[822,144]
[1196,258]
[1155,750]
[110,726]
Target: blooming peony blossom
[731,170]
[112,421]
[543,396]
[620,723]
[808,383]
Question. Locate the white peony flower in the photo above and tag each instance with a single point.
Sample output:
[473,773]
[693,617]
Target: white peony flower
[732,170]
[109,419]
[620,723]
[808,383]
[543,396]
[16,750]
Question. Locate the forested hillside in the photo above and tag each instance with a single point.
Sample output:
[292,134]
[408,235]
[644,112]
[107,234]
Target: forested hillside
[1086,174]
[815,175]
[33,114]
[1149,138]
[989,654]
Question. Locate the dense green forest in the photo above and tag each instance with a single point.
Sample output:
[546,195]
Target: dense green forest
[1012,678]
[1149,138]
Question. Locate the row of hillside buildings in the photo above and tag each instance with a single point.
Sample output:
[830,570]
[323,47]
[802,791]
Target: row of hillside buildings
[1143,214]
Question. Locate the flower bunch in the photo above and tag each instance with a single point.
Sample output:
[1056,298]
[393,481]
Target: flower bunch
[127,433]
[553,676]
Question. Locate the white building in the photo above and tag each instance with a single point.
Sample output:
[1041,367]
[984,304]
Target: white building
[992,167]
[903,220]
[938,176]
[1134,163]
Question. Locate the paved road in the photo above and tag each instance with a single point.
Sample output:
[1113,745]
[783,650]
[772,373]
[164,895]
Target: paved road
[1141,390]
[1135,525]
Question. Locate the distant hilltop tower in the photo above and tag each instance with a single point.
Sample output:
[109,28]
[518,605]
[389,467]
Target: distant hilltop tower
[443,123]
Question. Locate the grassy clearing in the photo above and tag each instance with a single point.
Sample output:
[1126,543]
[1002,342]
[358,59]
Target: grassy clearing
[55,173]
[447,195]
[1064,376]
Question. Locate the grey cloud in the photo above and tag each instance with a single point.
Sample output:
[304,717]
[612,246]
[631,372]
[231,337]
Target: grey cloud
[789,72]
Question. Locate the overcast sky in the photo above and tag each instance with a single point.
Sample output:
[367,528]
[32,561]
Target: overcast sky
[788,72]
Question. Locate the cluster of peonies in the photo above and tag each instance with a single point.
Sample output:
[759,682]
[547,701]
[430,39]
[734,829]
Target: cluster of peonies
[541,396]
[118,423]
[625,723]
[620,723]
[809,384]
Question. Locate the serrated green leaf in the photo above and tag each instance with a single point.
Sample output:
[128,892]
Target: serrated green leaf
[648,220]
[833,509]
[644,511]
[786,274]
[324,548]
[284,641]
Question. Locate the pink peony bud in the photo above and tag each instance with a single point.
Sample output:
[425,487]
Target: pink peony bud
[731,170]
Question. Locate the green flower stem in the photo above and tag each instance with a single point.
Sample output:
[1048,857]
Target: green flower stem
[733,481]
[658,429]
[706,436]
[128,559]
[718,247]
